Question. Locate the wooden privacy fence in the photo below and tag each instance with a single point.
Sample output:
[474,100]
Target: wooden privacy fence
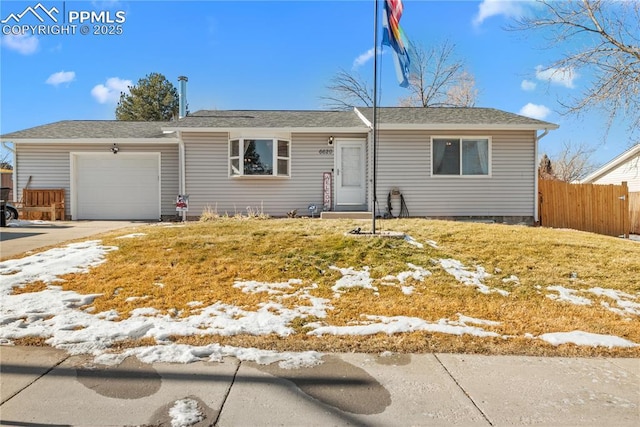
[634,212]
[42,203]
[602,209]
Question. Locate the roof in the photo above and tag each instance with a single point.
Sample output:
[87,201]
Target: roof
[357,120]
[607,167]
[83,129]
[270,119]
[448,117]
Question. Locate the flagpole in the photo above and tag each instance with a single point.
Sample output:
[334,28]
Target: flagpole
[375,115]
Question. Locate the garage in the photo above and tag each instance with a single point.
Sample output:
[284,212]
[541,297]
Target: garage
[115,186]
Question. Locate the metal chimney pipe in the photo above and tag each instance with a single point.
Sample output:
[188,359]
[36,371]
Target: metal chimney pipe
[182,96]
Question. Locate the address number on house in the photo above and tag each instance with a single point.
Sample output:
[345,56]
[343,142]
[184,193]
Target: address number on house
[326,152]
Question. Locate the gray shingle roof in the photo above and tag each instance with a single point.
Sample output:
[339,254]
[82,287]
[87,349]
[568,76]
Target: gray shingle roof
[77,129]
[280,119]
[269,119]
[451,116]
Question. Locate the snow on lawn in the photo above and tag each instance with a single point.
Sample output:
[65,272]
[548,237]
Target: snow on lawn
[469,278]
[626,304]
[66,321]
[399,324]
[586,339]
[47,266]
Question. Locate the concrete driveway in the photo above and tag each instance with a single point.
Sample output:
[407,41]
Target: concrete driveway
[23,236]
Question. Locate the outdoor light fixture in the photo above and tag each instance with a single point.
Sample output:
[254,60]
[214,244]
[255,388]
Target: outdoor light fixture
[330,142]
[115,149]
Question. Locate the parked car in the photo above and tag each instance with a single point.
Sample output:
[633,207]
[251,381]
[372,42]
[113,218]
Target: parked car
[10,212]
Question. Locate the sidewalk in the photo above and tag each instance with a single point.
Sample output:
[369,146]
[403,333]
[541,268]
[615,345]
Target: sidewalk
[44,386]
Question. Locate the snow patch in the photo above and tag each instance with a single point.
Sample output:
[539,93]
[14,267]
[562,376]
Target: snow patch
[185,413]
[586,339]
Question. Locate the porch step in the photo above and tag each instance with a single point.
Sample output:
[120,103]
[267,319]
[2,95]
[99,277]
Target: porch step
[345,215]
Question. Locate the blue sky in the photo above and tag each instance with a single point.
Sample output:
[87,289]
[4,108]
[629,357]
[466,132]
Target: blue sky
[275,55]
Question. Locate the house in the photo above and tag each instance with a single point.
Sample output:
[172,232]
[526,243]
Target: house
[445,162]
[624,168]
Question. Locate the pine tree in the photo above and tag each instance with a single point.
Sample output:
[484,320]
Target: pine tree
[153,98]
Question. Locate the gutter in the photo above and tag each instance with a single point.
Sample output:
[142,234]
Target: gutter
[182,184]
[536,214]
[14,177]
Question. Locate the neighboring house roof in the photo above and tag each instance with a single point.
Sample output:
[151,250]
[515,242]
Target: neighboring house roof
[608,167]
[88,129]
[451,117]
[356,120]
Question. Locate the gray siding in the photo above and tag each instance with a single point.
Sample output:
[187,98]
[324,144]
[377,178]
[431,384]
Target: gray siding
[404,161]
[210,186]
[49,167]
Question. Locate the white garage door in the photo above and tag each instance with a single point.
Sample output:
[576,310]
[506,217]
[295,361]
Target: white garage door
[117,186]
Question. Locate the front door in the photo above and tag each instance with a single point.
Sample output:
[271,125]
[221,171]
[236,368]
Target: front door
[351,189]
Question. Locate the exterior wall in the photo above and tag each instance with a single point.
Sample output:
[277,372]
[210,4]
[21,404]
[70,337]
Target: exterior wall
[209,185]
[628,171]
[404,161]
[49,166]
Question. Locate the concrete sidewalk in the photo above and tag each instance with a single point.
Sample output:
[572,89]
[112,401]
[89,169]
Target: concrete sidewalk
[23,236]
[44,386]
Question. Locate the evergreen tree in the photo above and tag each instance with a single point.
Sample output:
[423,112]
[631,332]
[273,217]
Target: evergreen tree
[153,98]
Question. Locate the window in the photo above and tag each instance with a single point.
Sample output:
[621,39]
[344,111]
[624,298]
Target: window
[259,157]
[460,156]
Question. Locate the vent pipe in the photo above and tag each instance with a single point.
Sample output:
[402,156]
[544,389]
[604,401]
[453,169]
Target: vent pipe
[182,96]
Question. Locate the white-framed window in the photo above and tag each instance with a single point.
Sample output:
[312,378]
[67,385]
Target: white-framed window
[468,156]
[259,157]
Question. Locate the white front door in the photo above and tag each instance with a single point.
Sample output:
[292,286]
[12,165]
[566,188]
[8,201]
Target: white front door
[351,189]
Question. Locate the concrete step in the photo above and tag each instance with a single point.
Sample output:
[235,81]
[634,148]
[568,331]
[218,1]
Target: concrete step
[345,215]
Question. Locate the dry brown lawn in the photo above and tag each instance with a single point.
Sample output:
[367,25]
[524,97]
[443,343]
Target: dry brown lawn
[171,266]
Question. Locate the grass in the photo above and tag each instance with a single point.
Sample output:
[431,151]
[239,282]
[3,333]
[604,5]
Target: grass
[172,266]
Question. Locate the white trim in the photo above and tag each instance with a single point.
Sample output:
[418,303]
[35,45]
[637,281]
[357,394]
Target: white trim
[259,134]
[364,129]
[362,142]
[607,167]
[274,157]
[96,141]
[464,126]
[460,175]
[73,157]
[363,118]
[270,130]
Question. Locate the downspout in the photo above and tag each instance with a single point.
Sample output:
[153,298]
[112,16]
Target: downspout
[14,178]
[182,171]
[537,176]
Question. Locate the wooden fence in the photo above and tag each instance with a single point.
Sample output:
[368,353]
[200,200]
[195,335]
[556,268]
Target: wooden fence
[634,212]
[602,209]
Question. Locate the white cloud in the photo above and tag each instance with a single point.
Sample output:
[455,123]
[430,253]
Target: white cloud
[560,76]
[21,43]
[363,58]
[61,77]
[534,111]
[109,93]
[528,85]
[489,8]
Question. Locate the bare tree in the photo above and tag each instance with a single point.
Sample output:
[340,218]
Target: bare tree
[573,162]
[438,80]
[604,38]
[348,90]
